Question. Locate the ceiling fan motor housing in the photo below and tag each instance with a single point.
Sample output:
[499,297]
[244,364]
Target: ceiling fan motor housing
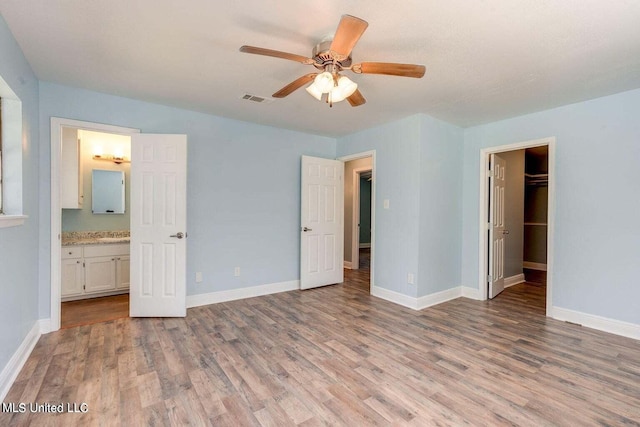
[323,56]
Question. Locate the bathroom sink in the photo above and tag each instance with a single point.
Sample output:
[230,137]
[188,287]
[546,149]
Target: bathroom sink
[113,239]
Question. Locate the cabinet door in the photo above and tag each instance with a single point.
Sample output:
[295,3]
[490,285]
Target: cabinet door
[122,272]
[72,277]
[100,274]
[71,191]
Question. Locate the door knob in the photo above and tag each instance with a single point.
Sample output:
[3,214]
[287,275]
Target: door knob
[306,229]
[179,235]
[505,231]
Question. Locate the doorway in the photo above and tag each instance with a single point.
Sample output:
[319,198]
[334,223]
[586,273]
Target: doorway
[58,168]
[359,220]
[516,228]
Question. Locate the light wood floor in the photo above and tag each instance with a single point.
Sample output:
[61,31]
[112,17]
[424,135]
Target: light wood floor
[337,356]
[93,310]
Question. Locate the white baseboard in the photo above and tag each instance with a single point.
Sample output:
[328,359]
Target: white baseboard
[394,297]
[534,265]
[17,361]
[618,327]
[513,280]
[471,293]
[416,303]
[364,245]
[236,294]
[348,264]
[45,326]
[438,297]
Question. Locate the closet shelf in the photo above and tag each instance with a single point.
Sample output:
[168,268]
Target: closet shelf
[536,223]
[536,178]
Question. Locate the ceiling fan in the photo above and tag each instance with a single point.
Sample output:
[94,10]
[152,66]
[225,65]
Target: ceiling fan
[333,56]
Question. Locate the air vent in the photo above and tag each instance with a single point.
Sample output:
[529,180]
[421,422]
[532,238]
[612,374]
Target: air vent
[258,99]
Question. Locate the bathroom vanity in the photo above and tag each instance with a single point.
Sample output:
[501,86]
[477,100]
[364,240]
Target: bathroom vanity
[94,266]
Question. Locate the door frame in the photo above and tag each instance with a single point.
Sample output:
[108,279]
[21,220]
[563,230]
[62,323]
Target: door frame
[483,252]
[355,217]
[55,209]
[374,183]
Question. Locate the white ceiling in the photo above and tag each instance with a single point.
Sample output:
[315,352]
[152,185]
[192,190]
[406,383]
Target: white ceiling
[486,60]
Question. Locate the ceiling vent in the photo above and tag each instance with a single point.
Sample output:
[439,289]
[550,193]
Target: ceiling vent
[258,99]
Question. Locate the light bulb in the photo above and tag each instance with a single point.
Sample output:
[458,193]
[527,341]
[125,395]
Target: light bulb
[97,151]
[345,89]
[324,82]
[312,89]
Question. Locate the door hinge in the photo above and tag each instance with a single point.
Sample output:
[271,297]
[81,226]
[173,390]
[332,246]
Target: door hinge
[83,264]
[489,278]
[84,287]
[489,173]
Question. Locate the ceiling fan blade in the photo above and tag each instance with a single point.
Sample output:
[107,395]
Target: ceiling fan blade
[356,99]
[390,69]
[347,35]
[294,85]
[276,54]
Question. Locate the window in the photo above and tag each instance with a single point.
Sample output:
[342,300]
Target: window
[0,156]
[10,157]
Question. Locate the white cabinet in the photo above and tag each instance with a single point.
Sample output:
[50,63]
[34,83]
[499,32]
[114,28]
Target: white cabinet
[94,270]
[100,274]
[123,272]
[71,191]
[72,277]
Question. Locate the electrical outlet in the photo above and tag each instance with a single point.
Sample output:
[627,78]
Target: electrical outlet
[198,277]
[411,279]
[236,271]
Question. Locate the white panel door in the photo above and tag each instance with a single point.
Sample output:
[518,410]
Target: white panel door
[497,232]
[322,222]
[158,225]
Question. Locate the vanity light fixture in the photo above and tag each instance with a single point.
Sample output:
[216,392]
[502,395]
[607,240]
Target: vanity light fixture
[115,158]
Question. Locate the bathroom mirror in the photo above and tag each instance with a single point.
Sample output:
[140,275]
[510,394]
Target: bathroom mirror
[107,192]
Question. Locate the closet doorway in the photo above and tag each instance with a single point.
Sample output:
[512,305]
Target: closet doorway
[516,226]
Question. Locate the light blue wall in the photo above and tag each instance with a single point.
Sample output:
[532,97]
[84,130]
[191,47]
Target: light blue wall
[243,187]
[418,169]
[597,231]
[19,245]
[397,169]
[441,146]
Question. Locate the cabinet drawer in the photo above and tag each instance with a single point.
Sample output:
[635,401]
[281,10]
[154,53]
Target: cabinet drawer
[105,250]
[69,252]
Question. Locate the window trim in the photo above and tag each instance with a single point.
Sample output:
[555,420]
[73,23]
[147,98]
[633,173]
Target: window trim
[12,213]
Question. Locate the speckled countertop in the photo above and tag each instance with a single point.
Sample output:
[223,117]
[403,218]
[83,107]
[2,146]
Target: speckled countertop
[75,238]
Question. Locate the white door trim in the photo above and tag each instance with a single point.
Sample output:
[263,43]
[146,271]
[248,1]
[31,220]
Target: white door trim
[550,142]
[362,155]
[355,217]
[56,212]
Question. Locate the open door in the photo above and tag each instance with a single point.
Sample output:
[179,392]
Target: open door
[322,222]
[497,182]
[158,225]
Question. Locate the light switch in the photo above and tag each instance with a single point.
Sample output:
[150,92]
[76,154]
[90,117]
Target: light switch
[198,277]
[385,203]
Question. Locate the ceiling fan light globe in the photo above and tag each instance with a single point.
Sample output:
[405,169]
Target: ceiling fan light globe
[324,82]
[345,89]
[312,90]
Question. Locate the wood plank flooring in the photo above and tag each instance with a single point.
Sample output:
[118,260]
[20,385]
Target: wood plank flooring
[94,310]
[337,356]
